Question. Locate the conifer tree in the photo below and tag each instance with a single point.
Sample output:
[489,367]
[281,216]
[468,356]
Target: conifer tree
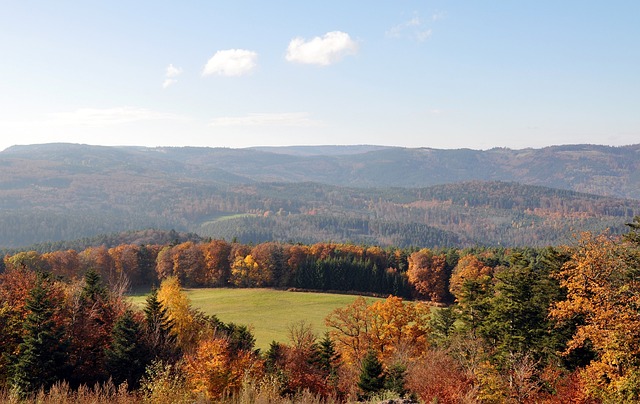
[327,358]
[126,358]
[42,357]
[372,376]
[161,340]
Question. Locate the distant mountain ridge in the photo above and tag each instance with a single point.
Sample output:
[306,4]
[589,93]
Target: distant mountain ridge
[364,194]
[601,170]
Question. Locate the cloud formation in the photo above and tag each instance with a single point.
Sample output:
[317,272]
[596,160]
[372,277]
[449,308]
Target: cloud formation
[231,62]
[412,29]
[107,116]
[170,75]
[324,50]
[266,119]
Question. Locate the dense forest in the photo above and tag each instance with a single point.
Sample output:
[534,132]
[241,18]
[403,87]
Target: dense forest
[51,193]
[484,324]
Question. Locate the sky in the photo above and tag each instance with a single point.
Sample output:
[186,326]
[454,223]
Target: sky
[442,74]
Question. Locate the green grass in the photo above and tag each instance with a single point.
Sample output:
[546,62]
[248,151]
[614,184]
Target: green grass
[270,313]
[227,217]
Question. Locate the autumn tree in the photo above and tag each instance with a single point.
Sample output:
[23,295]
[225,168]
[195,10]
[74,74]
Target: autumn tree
[271,259]
[469,269]
[216,262]
[188,264]
[603,298]
[180,313]
[15,287]
[63,263]
[90,319]
[386,326]
[245,272]
[99,260]
[427,274]
[213,370]
[125,259]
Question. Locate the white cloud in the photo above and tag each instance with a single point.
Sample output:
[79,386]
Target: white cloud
[231,62]
[438,16]
[397,31]
[325,50]
[422,36]
[170,75]
[107,116]
[266,119]
[167,82]
[173,71]
[412,29]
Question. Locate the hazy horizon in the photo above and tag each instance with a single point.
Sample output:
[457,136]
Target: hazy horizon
[413,74]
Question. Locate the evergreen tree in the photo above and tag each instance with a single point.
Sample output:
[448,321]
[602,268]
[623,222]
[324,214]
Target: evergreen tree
[42,358]
[372,376]
[93,290]
[327,355]
[395,379]
[161,340]
[634,231]
[327,358]
[126,358]
[93,318]
[272,357]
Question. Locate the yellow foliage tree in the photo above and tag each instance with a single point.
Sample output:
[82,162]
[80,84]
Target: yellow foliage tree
[469,268]
[246,272]
[386,326]
[603,291]
[213,370]
[180,312]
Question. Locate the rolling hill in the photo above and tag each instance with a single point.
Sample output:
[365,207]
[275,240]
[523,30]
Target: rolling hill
[364,194]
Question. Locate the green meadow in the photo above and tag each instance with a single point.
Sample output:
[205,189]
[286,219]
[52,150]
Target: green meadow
[270,313]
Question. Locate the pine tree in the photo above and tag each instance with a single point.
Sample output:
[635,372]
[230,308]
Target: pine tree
[372,376]
[159,329]
[42,356]
[93,289]
[327,359]
[127,357]
[395,379]
[93,318]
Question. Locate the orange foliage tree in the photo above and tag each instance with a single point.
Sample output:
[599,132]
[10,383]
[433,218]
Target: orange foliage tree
[427,275]
[603,297]
[216,261]
[214,370]
[387,326]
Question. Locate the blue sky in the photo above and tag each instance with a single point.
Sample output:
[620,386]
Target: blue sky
[441,74]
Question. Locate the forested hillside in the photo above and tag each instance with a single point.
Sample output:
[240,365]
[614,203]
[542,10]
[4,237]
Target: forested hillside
[514,325]
[59,192]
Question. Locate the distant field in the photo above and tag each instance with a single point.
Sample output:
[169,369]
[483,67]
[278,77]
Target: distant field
[269,312]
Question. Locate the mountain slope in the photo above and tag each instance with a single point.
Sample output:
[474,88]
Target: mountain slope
[364,194]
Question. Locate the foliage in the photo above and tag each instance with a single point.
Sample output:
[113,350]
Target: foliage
[158,328]
[603,294]
[387,327]
[372,376]
[427,275]
[126,356]
[42,357]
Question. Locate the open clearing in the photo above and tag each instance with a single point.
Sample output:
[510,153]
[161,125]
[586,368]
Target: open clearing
[269,313]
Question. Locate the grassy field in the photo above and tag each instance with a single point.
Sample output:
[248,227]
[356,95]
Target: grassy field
[269,312]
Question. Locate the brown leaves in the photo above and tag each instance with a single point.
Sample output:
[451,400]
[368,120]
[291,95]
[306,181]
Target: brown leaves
[427,275]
